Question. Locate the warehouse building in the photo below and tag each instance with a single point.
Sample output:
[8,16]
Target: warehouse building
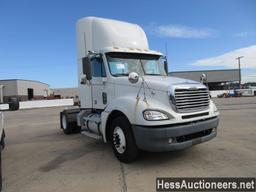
[216,79]
[65,93]
[23,89]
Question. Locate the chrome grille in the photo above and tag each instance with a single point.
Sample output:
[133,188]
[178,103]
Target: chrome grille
[188,100]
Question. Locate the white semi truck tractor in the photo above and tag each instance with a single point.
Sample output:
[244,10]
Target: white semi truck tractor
[127,97]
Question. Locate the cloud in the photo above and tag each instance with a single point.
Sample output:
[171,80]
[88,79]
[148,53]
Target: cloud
[244,34]
[180,31]
[228,60]
[241,34]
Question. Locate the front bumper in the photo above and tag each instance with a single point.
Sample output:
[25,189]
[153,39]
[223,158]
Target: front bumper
[183,135]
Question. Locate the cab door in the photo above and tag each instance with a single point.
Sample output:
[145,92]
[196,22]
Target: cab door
[98,82]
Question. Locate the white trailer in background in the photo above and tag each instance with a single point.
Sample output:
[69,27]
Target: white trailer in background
[127,98]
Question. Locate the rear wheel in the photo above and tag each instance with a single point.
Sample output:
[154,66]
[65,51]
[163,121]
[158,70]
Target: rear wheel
[67,124]
[123,142]
[2,140]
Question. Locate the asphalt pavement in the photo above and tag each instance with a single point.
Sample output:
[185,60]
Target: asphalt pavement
[39,158]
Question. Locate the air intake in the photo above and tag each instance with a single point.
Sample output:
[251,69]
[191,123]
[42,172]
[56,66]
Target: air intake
[188,100]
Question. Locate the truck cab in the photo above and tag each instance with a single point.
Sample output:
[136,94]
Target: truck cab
[127,97]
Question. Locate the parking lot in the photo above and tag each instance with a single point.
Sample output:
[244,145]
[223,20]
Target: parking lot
[39,157]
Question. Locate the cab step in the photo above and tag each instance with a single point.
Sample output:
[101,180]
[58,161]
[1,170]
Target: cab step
[91,135]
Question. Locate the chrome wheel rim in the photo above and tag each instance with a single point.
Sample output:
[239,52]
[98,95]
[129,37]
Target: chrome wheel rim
[119,140]
[64,122]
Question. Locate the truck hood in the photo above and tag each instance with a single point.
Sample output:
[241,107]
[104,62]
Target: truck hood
[161,82]
[164,83]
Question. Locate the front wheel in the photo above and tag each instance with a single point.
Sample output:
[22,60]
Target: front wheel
[123,142]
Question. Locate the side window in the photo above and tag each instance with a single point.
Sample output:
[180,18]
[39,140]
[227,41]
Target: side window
[98,69]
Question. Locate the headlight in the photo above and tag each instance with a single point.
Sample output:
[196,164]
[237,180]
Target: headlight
[151,115]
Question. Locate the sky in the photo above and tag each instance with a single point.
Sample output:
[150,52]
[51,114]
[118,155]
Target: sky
[38,37]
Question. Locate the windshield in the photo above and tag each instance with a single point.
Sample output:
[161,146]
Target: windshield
[121,64]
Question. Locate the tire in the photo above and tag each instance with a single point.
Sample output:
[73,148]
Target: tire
[68,126]
[77,129]
[122,140]
[2,143]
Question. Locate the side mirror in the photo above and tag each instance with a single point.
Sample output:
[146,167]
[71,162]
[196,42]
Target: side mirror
[87,70]
[203,78]
[133,77]
[163,61]
[166,66]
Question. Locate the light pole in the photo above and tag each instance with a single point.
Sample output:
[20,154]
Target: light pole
[239,67]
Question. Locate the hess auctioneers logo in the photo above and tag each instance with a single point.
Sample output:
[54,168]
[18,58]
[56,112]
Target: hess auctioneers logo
[205,184]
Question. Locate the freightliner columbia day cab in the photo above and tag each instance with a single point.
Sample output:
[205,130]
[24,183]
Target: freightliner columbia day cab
[127,97]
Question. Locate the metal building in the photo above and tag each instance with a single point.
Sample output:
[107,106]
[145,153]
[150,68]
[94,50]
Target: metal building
[65,92]
[23,89]
[215,78]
